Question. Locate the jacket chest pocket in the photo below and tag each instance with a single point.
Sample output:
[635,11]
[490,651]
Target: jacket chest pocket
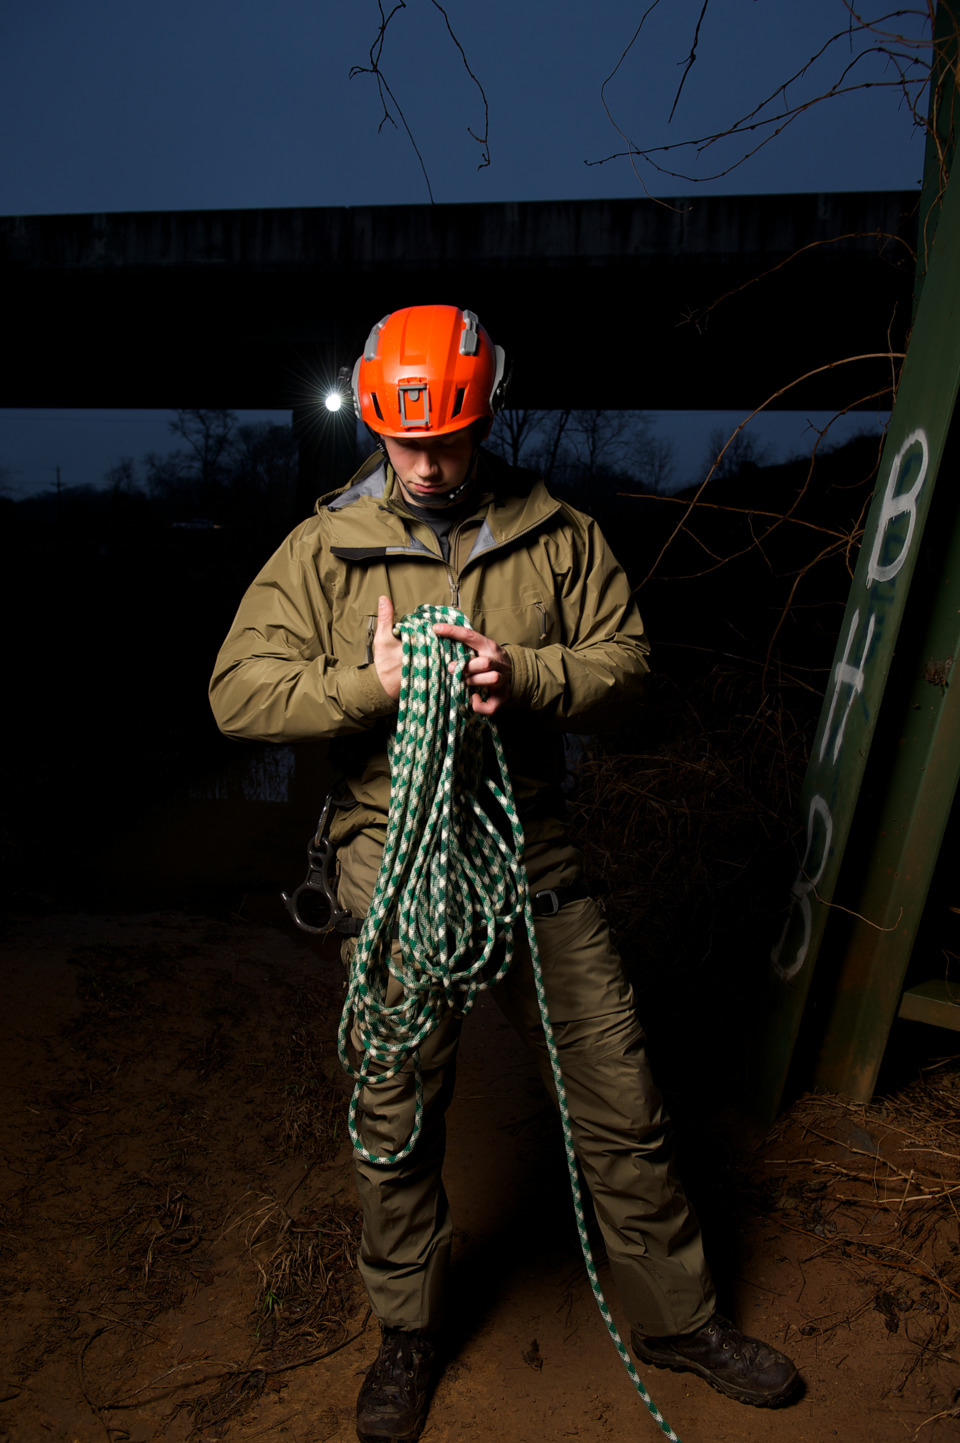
[529,621]
[353,612]
[355,606]
[353,633]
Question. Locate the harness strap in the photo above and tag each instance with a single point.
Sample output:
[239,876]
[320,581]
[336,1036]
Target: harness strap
[546,903]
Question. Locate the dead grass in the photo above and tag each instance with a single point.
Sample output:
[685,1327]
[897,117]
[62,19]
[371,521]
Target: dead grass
[876,1190]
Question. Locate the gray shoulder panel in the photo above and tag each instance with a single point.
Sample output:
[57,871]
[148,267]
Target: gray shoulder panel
[372,485]
[483,541]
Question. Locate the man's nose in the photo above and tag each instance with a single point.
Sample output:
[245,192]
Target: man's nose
[426,463]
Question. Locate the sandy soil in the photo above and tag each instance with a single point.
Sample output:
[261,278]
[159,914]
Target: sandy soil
[179,1222]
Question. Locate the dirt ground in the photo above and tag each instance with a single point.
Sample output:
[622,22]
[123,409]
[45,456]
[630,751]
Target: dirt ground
[179,1221]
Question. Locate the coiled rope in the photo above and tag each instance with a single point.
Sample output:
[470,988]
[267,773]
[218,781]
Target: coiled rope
[452,886]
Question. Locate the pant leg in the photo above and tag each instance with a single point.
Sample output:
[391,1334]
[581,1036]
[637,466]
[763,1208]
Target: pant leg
[405,1243]
[621,1131]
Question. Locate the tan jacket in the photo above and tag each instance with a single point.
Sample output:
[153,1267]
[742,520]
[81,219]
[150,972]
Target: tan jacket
[529,571]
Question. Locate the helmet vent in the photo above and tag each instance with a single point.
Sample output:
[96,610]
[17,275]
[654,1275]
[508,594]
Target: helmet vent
[376,404]
[458,401]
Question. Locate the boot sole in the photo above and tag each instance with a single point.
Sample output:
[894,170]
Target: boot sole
[410,1436]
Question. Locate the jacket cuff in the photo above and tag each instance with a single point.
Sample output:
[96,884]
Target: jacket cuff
[371,699]
[523,674]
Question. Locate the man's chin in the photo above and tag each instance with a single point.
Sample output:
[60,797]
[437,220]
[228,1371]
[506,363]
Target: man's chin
[428,496]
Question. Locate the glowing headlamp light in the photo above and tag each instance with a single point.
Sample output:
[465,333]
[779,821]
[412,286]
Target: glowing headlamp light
[338,395]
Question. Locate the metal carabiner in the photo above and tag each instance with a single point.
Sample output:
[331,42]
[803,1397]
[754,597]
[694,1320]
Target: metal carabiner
[320,860]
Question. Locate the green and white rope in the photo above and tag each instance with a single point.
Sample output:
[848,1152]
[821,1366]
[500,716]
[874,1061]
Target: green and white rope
[453,887]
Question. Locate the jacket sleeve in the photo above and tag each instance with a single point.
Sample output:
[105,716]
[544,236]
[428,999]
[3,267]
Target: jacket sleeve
[277,677]
[592,679]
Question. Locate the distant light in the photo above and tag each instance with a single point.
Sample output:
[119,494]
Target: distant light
[333,401]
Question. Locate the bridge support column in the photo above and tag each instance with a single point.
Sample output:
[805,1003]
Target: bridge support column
[328,451]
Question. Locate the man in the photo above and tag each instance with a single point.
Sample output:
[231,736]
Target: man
[556,644]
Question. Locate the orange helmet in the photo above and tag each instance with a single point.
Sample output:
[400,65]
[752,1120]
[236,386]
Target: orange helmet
[427,370]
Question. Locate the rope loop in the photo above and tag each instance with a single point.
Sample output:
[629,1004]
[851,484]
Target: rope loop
[452,887]
[452,884]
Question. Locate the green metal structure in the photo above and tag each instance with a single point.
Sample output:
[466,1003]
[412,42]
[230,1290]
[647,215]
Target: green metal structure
[886,758]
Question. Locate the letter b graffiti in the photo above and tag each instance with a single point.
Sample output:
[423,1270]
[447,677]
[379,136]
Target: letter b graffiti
[790,953]
[896,505]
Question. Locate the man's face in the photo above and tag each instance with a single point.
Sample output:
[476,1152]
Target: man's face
[429,467]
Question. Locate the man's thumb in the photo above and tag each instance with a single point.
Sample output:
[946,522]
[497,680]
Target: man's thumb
[384,616]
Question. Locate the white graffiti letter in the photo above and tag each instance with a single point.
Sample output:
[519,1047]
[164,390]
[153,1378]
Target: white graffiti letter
[894,506]
[819,839]
[847,674]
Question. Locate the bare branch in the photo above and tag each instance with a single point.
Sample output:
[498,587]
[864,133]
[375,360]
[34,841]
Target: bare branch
[376,50]
[375,68]
[482,140]
[696,317]
[690,61]
[622,133]
[764,405]
[908,56]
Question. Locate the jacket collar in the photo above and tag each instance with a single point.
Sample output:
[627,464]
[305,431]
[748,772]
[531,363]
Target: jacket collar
[365,506]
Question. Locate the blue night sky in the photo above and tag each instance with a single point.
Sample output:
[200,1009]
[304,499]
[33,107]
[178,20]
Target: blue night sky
[109,105]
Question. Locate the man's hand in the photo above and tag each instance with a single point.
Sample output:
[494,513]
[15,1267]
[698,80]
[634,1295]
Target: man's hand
[488,673]
[387,650]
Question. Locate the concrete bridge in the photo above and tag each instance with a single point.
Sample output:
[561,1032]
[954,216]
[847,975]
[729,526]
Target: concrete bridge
[605,303]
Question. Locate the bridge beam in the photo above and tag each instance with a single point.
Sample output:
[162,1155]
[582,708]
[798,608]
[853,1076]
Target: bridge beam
[623,304]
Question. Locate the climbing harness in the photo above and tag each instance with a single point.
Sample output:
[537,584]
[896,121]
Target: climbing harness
[452,886]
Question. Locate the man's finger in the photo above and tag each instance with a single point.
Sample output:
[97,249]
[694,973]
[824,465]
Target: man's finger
[466,634]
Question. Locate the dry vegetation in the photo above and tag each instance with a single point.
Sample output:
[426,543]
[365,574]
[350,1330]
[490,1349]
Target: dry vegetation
[180,1133]
[875,1189]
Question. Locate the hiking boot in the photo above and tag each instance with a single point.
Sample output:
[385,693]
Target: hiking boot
[395,1394]
[742,1367]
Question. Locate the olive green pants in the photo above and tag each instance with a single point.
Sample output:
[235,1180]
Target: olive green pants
[620,1129]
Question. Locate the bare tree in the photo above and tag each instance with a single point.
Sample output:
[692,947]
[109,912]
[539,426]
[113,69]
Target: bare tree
[208,435]
[121,477]
[191,480]
[725,457]
[573,448]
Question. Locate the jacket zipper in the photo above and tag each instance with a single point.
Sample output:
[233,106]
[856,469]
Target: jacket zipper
[454,587]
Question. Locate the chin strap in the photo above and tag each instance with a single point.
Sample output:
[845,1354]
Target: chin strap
[450,498]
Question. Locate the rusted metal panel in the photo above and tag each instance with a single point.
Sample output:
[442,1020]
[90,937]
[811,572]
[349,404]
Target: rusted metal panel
[894,531]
